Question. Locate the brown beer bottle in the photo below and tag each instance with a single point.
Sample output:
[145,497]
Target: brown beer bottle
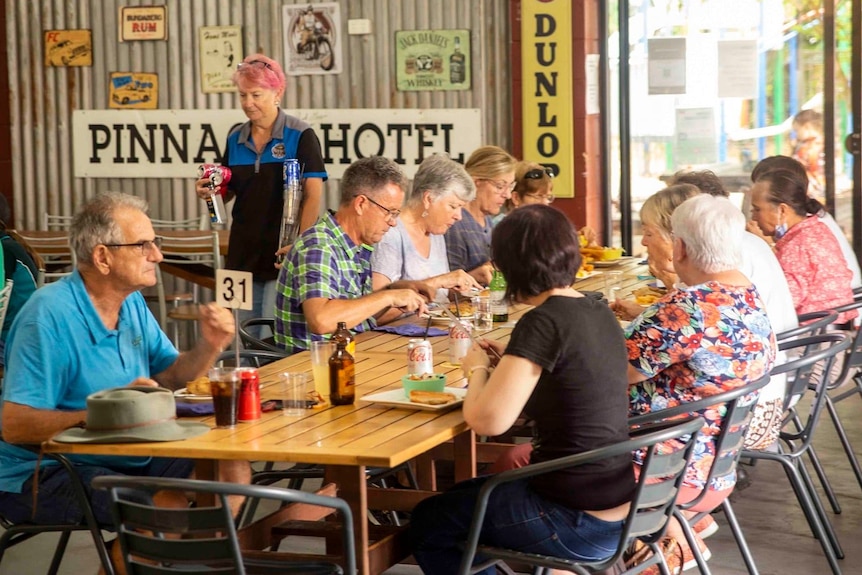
[342,379]
[342,333]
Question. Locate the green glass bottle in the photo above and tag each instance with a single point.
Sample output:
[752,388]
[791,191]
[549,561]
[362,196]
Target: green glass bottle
[499,305]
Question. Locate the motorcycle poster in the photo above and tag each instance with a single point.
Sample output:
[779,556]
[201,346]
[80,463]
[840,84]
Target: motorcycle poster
[312,39]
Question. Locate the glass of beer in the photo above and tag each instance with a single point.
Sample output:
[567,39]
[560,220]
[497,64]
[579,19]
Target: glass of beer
[224,386]
[320,352]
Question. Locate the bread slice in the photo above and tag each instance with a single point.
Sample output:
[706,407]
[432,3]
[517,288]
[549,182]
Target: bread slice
[199,386]
[431,397]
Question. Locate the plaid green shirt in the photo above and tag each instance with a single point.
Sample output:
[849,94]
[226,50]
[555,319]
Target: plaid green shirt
[323,263]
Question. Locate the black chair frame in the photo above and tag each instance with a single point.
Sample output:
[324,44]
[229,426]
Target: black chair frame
[250,357]
[209,542]
[251,342]
[651,507]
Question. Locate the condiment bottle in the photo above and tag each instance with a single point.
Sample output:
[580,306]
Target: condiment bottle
[499,306]
[342,333]
[342,376]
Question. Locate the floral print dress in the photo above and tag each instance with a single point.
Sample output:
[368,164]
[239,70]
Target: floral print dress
[696,342]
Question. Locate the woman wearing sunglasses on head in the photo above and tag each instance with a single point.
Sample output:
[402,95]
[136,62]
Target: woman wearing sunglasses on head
[534,184]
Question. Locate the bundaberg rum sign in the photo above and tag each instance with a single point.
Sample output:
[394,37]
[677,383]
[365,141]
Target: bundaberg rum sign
[547,92]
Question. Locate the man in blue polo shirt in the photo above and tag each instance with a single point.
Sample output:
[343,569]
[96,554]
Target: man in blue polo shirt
[87,332]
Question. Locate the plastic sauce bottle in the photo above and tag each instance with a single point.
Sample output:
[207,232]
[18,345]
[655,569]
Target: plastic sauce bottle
[342,333]
[499,306]
[342,376]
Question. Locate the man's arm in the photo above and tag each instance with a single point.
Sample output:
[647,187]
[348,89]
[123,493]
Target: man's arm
[322,315]
[25,424]
[217,331]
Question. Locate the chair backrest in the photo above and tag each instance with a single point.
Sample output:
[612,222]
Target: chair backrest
[52,254]
[810,373]
[5,294]
[251,342]
[853,356]
[250,357]
[737,405]
[652,503]
[56,222]
[196,250]
[810,323]
[197,223]
[200,539]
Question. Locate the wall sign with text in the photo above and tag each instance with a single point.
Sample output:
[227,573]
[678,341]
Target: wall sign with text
[139,90]
[143,23]
[68,47]
[547,94]
[220,52]
[432,60]
[172,143]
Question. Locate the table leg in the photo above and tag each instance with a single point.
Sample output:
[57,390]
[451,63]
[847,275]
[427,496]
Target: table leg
[353,489]
[465,455]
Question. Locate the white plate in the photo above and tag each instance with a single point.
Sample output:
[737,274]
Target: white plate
[587,275]
[184,395]
[610,263]
[439,316]
[397,398]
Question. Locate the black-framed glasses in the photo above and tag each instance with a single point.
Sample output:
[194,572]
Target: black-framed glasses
[145,246]
[537,173]
[391,215]
[261,62]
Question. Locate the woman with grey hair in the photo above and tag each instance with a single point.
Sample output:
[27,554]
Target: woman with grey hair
[415,249]
[704,338]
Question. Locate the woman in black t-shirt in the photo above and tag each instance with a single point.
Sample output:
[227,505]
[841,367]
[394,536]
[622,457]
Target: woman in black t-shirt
[565,366]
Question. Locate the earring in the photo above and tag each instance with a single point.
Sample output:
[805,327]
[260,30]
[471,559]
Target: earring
[425,214]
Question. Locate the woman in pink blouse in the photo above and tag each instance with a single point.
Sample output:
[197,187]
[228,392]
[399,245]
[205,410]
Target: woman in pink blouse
[809,254]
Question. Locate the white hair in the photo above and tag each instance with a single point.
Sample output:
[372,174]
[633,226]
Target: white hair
[711,228]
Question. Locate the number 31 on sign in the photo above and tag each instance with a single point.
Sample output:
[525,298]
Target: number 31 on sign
[233,289]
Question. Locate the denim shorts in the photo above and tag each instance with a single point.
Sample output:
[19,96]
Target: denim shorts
[57,503]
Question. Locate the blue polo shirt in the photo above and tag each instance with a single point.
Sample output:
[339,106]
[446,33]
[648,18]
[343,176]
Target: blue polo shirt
[58,352]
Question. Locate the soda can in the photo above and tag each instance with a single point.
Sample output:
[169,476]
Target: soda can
[249,395]
[420,358]
[217,175]
[459,341]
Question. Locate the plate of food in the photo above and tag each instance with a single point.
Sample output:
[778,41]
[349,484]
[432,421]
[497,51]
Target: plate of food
[195,390]
[614,262]
[463,308]
[583,274]
[421,400]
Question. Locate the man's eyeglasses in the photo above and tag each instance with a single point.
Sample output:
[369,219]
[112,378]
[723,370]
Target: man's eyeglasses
[547,198]
[145,246]
[261,62]
[536,174]
[502,187]
[391,215]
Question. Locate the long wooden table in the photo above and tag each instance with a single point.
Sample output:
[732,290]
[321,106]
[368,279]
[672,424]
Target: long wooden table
[347,439]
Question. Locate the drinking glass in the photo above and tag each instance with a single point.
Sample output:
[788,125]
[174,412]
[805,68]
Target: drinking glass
[224,387]
[482,318]
[320,352]
[294,394]
[613,284]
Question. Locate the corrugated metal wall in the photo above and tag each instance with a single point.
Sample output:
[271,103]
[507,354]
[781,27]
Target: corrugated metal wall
[42,99]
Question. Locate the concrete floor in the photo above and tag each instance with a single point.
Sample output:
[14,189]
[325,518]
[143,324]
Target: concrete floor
[773,524]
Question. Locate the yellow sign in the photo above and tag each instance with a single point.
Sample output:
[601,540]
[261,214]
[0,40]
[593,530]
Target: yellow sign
[143,23]
[68,48]
[138,90]
[547,96]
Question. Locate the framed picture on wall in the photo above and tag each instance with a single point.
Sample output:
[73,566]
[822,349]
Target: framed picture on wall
[143,23]
[312,39]
[68,48]
[220,52]
[133,90]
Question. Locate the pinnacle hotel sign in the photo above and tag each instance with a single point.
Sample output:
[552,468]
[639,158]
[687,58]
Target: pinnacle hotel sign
[547,93]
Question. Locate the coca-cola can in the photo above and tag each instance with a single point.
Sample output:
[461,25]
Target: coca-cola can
[217,175]
[459,341]
[420,358]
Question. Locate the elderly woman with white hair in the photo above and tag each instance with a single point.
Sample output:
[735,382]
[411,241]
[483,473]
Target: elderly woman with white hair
[707,337]
[415,248]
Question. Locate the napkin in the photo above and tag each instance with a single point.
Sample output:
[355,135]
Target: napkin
[190,409]
[411,329]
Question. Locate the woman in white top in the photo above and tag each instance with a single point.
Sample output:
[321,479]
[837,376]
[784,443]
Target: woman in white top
[415,249]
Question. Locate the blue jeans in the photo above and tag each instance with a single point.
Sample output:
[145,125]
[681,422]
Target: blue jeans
[57,502]
[516,518]
[263,305]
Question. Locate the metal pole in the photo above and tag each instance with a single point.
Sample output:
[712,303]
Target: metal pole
[852,143]
[829,102]
[625,129]
[605,125]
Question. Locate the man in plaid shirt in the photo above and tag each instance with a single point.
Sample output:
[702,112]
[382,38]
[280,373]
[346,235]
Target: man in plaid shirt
[326,276]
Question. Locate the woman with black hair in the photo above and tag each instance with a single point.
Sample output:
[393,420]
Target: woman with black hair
[816,270]
[18,267]
[565,367]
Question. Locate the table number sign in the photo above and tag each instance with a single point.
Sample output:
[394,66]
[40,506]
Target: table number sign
[233,289]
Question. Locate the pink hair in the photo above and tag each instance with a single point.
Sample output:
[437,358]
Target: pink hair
[259,71]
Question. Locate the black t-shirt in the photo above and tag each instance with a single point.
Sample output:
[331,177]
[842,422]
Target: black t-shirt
[580,402]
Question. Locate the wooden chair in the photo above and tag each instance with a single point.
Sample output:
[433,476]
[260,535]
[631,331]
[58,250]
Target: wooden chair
[203,539]
[652,505]
[54,256]
[194,252]
[198,223]
[56,222]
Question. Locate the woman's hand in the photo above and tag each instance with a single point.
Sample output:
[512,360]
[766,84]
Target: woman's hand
[477,357]
[458,280]
[203,189]
[626,309]
[752,227]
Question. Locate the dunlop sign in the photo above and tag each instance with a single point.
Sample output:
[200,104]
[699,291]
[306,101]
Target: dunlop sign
[547,93]
[172,143]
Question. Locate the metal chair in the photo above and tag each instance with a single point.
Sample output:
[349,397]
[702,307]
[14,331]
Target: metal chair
[16,533]
[810,376]
[651,507]
[738,405]
[251,342]
[250,357]
[203,539]
[56,222]
[56,259]
[197,223]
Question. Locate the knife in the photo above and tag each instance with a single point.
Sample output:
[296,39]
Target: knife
[473,338]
